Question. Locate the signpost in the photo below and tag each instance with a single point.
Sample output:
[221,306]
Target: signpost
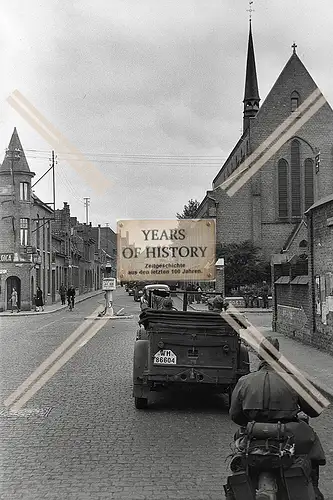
[108,285]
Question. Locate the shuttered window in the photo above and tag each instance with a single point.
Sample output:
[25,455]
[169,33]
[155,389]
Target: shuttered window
[283,188]
[295,179]
[308,183]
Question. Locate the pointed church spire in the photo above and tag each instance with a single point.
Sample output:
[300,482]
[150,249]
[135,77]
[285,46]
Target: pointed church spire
[251,93]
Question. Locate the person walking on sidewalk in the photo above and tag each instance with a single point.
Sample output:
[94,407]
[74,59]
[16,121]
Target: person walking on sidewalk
[71,297]
[62,293]
[39,299]
[264,294]
[14,300]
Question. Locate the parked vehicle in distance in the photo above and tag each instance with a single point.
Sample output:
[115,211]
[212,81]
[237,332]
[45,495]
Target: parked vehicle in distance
[138,290]
[130,287]
[152,295]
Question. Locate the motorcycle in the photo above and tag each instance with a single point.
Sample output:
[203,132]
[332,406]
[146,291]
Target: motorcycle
[271,462]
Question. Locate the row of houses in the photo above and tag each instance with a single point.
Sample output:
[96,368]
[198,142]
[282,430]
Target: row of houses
[286,207]
[302,280]
[40,246]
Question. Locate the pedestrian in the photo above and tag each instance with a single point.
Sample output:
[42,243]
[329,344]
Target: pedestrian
[39,299]
[71,297]
[198,294]
[62,293]
[14,300]
[264,294]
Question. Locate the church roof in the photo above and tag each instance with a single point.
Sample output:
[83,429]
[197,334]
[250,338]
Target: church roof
[251,81]
[320,203]
[20,163]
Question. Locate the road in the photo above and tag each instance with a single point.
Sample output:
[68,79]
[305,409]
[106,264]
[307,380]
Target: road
[79,437]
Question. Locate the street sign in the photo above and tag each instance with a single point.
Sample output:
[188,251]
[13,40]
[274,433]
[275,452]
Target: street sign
[6,257]
[109,284]
[166,250]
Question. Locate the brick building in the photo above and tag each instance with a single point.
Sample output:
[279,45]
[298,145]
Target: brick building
[40,246]
[303,280]
[106,240]
[268,208]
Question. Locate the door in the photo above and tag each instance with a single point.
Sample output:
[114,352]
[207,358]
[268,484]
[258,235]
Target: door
[13,282]
[53,285]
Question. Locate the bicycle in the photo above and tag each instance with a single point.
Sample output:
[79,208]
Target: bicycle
[71,302]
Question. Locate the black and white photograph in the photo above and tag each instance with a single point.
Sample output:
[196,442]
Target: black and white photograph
[166,250]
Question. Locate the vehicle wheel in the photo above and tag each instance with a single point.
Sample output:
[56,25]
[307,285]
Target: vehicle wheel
[141,403]
[230,390]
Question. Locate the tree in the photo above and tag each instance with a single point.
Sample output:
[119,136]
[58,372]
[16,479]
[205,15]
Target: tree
[189,210]
[243,264]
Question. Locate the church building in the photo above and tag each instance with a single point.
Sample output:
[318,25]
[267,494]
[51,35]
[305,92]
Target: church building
[270,205]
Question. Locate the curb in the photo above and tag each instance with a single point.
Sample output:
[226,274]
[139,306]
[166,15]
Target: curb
[79,299]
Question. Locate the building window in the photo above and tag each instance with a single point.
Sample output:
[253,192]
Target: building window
[295,172]
[24,191]
[308,183]
[283,188]
[294,101]
[24,231]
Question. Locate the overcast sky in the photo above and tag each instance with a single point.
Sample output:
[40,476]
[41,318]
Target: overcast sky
[150,90]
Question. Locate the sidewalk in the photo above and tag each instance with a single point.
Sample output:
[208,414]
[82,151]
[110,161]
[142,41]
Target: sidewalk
[316,365]
[53,307]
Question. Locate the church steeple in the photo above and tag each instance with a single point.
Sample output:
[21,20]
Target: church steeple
[251,93]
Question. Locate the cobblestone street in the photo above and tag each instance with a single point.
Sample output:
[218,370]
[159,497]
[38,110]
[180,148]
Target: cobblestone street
[80,436]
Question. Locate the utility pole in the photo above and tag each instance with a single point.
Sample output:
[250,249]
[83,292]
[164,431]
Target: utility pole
[87,204]
[53,178]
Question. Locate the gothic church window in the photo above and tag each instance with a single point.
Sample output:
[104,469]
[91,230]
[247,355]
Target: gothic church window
[283,188]
[294,101]
[295,184]
[295,170]
[308,183]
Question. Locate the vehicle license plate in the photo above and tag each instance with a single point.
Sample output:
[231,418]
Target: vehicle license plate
[165,357]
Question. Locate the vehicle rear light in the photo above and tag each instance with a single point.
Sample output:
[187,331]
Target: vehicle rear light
[226,348]
[160,344]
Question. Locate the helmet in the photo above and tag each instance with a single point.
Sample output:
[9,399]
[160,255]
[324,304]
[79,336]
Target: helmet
[272,341]
[167,303]
[218,303]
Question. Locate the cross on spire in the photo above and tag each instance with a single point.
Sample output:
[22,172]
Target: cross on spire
[294,46]
[250,10]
